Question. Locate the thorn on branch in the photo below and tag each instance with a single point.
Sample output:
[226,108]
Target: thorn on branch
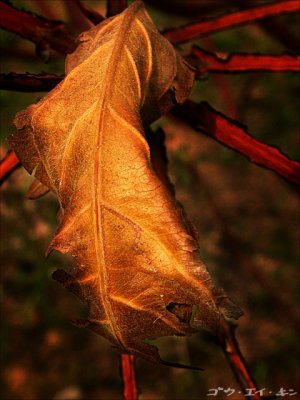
[239,62]
[202,117]
[208,26]
[39,30]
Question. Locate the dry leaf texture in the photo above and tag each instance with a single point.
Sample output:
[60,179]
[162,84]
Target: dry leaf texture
[138,265]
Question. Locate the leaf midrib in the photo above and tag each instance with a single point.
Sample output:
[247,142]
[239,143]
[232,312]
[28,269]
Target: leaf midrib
[128,18]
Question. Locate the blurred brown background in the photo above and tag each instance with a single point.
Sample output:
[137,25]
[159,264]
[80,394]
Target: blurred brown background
[248,219]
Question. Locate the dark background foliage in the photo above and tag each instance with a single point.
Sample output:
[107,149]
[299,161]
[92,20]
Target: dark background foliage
[248,219]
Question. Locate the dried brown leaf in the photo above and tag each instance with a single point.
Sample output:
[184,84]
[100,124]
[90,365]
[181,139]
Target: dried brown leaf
[36,190]
[138,265]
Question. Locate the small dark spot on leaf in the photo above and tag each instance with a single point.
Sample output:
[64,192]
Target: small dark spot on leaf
[182,311]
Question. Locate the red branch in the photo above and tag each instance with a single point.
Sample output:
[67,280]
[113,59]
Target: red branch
[39,30]
[204,118]
[128,375]
[233,354]
[28,82]
[193,31]
[211,62]
[8,165]
[115,7]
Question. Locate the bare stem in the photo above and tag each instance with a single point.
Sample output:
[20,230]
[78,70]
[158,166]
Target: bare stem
[234,356]
[232,63]
[230,20]
[202,117]
[8,165]
[90,13]
[28,82]
[128,375]
[39,30]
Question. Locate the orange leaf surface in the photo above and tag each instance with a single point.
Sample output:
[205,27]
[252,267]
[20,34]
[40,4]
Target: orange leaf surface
[138,265]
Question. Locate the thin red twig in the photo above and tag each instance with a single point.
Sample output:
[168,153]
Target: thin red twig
[115,7]
[90,13]
[222,83]
[8,165]
[278,29]
[196,30]
[75,17]
[128,375]
[226,335]
[28,82]
[204,118]
[211,62]
[39,30]
[234,356]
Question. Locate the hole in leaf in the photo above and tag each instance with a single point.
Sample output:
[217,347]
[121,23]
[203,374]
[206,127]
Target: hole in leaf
[182,311]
